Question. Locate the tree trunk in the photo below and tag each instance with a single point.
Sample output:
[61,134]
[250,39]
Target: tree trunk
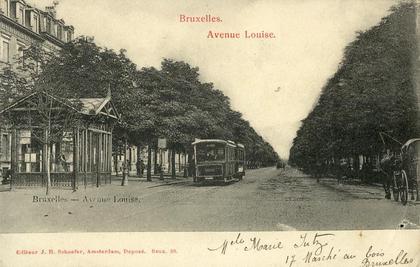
[48,161]
[155,168]
[173,167]
[125,166]
[191,161]
[116,163]
[149,162]
[76,159]
[179,163]
[48,170]
[138,164]
[185,165]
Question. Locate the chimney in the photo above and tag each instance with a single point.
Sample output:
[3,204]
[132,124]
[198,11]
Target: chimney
[52,9]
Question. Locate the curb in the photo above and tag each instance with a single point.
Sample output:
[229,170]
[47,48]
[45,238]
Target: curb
[341,187]
[168,183]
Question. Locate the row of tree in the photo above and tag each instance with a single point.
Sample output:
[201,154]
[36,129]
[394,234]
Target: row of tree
[373,91]
[170,102]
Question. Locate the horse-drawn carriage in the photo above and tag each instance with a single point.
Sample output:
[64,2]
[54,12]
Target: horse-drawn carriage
[403,172]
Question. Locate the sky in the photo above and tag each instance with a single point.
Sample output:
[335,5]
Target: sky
[273,82]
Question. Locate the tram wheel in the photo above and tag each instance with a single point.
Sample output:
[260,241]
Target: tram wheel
[404,188]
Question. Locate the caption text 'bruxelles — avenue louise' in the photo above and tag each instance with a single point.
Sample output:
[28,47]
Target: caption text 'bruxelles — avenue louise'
[211,34]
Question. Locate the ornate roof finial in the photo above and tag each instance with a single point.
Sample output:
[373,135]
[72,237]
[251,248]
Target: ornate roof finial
[52,9]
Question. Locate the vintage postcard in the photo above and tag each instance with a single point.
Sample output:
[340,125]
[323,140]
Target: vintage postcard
[209,133]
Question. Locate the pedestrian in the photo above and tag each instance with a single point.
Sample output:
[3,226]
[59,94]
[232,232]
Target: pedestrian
[318,170]
[7,173]
[142,166]
[386,166]
[138,168]
[340,170]
[63,162]
[192,169]
[159,170]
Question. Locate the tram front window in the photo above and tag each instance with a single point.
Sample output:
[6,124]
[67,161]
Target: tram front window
[210,152]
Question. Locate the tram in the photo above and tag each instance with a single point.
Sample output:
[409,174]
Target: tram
[218,160]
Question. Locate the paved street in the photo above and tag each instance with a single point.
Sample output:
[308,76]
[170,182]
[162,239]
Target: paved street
[266,200]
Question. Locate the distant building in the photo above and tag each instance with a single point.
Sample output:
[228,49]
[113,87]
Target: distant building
[22,25]
[159,157]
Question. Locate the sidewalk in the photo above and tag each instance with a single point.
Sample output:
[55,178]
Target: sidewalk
[4,187]
[156,180]
[135,184]
[355,188]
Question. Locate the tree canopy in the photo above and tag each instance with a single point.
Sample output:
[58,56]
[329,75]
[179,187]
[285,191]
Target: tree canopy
[372,91]
[170,102]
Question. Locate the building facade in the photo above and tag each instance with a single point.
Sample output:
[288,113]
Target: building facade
[22,25]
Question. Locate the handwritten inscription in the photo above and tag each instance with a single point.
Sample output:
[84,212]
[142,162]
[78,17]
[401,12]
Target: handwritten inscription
[312,249]
[251,244]
[375,257]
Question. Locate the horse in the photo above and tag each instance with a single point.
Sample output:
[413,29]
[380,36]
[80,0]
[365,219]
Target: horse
[387,166]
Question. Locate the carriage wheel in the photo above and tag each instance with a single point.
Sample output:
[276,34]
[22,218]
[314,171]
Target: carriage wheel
[394,187]
[404,188]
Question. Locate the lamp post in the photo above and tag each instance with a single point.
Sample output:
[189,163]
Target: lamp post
[161,167]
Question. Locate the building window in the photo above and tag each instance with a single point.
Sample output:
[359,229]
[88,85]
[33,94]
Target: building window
[68,36]
[20,49]
[35,24]
[59,32]
[5,155]
[21,16]
[5,52]
[5,7]
[49,26]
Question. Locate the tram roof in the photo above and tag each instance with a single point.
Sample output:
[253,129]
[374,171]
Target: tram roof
[214,141]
